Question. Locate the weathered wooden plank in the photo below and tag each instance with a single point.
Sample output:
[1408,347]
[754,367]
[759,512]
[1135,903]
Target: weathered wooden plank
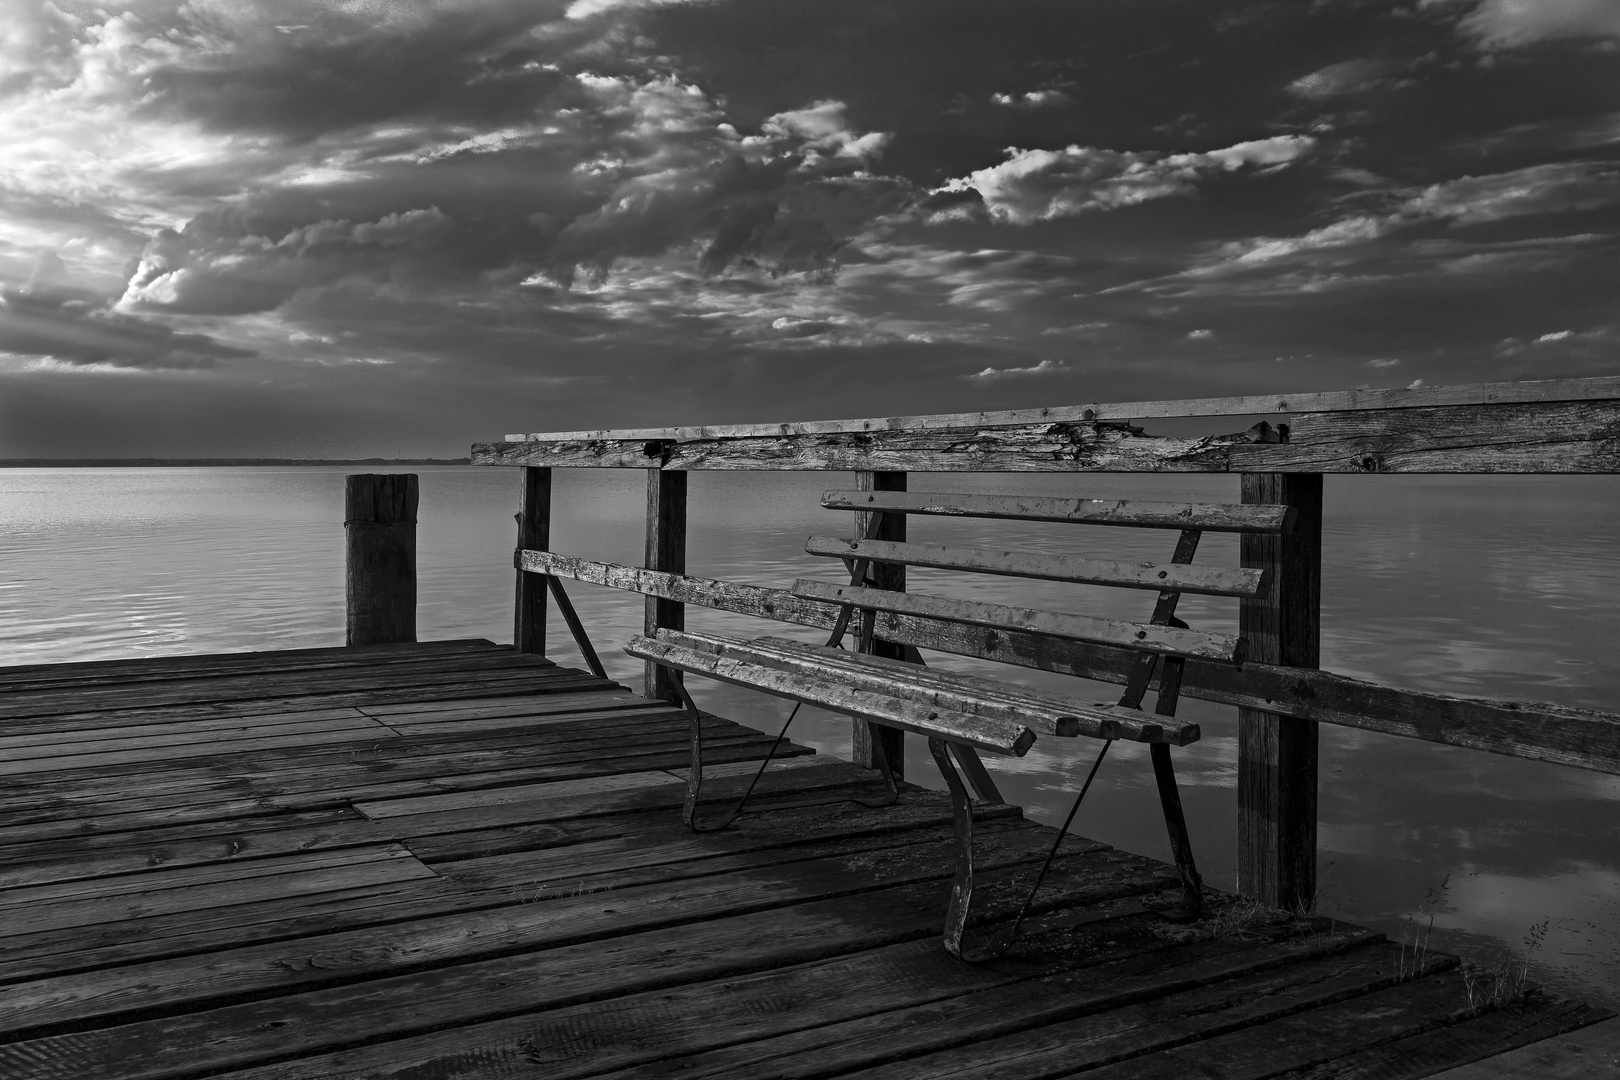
[1539,1038]
[182,731]
[357,736]
[1176,577]
[406,689]
[973,694]
[1540,731]
[1137,513]
[650,1029]
[184,742]
[1553,437]
[1562,437]
[55,953]
[1062,1023]
[185,877]
[559,937]
[1276,855]
[203,665]
[1308,1038]
[155,937]
[1242,405]
[1061,447]
[94,706]
[1000,617]
[996,735]
[379,527]
[321,872]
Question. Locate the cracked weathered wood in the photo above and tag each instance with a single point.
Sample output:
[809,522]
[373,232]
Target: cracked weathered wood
[1136,513]
[1177,577]
[1535,437]
[1539,731]
[379,526]
[1251,405]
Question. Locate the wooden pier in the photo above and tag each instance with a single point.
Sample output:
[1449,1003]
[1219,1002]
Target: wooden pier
[451,859]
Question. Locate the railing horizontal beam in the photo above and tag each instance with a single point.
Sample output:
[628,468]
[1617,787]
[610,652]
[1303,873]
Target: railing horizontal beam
[1534,730]
[1407,397]
[1539,437]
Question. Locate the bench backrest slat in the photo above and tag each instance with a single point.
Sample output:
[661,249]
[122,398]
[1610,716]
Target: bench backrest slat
[1178,577]
[1211,517]
[1141,636]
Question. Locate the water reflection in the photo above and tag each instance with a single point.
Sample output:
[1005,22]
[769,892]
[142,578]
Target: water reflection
[1498,586]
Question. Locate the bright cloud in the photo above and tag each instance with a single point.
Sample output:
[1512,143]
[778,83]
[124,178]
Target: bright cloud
[1040,185]
[1045,367]
[1507,24]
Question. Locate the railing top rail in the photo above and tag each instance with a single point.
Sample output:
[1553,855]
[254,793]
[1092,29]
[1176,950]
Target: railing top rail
[1502,393]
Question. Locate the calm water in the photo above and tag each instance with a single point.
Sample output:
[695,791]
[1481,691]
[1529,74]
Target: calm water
[1496,586]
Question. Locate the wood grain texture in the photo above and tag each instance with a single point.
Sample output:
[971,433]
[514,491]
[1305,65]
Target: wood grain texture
[504,888]
[534,532]
[835,694]
[1531,437]
[1134,513]
[1049,714]
[1143,636]
[866,738]
[1171,577]
[1539,731]
[1250,405]
[665,552]
[379,525]
[1277,755]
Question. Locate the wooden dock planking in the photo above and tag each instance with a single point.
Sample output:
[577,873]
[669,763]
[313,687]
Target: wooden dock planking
[455,860]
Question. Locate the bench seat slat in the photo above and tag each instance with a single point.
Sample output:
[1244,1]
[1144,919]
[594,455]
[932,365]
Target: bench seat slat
[1144,636]
[1213,517]
[1171,577]
[1049,714]
[830,692]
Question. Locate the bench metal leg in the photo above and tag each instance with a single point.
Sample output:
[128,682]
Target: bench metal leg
[1175,823]
[956,911]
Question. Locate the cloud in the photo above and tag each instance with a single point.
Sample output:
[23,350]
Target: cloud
[66,326]
[1040,185]
[218,266]
[1469,200]
[1045,367]
[1337,80]
[1031,99]
[1537,189]
[1514,24]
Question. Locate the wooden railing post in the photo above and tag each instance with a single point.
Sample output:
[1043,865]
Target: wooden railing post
[379,527]
[666,551]
[883,576]
[1277,754]
[533,533]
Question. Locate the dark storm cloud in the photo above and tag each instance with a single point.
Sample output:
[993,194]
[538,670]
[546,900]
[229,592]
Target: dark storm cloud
[75,329]
[513,215]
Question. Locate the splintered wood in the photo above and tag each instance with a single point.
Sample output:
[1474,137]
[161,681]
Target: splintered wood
[451,859]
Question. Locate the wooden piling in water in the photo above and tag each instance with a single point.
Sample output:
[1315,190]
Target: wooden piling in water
[379,526]
[666,551]
[1277,754]
[891,576]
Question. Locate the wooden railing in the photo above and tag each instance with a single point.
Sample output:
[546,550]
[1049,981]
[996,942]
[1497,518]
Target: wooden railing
[1566,426]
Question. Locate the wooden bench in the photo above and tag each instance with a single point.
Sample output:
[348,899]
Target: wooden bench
[964,715]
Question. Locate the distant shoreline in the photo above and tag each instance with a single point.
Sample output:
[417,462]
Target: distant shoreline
[193,463]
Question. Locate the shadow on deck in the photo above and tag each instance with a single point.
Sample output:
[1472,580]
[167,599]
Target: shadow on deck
[452,860]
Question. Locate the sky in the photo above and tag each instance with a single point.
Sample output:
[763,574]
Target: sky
[397,227]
